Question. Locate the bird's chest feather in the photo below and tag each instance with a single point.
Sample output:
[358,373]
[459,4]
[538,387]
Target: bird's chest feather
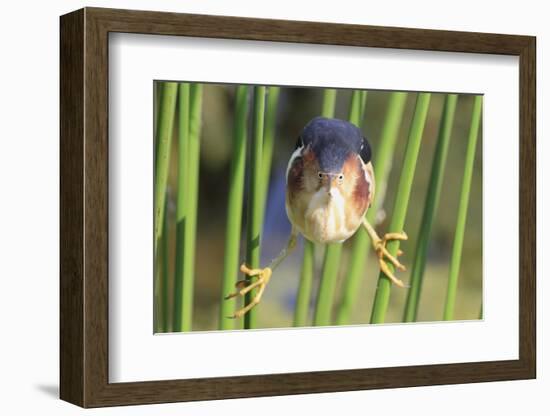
[324,218]
[327,219]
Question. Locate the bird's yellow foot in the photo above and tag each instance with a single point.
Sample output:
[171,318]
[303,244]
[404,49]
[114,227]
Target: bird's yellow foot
[245,286]
[384,254]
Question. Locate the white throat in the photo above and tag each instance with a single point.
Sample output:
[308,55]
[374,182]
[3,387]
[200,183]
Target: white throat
[325,216]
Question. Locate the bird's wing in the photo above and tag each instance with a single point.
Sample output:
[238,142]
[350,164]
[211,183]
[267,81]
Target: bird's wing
[295,155]
[369,176]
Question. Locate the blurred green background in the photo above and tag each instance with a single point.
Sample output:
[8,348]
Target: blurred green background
[296,107]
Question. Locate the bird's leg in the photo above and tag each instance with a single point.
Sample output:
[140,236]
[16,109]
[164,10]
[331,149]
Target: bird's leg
[263,276]
[382,252]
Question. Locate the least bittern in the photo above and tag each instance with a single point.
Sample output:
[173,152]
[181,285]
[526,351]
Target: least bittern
[329,187]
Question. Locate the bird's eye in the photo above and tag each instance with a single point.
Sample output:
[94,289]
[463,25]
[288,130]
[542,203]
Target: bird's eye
[340,177]
[320,175]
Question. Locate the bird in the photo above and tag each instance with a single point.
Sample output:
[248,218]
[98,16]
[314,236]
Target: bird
[330,185]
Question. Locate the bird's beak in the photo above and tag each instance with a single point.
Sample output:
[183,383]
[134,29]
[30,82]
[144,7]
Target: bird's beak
[330,186]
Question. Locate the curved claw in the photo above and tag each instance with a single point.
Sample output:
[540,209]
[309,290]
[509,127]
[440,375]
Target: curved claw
[396,236]
[386,270]
[384,254]
[245,286]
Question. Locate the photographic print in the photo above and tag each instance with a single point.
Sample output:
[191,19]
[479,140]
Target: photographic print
[281,206]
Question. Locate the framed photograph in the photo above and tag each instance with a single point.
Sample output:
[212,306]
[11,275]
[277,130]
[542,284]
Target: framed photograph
[255,207]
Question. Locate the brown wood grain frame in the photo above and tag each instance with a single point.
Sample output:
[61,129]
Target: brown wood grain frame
[84,215]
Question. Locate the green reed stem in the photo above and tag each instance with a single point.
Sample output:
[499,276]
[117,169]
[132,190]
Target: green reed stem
[397,223]
[382,167]
[195,124]
[456,255]
[158,319]
[363,104]
[327,284]
[430,208]
[165,274]
[304,289]
[181,201]
[254,226]
[329,103]
[357,107]
[165,124]
[333,252]
[269,140]
[271,100]
[234,208]
[190,189]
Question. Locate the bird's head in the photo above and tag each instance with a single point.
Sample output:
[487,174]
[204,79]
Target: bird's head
[331,150]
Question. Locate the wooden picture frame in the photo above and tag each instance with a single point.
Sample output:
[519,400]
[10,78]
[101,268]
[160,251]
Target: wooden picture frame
[84,207]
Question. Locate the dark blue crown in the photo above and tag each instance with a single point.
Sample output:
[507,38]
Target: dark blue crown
[333,141]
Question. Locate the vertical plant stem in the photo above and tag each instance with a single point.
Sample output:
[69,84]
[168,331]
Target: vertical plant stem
[235,207]
[382,167]
[329,103]
[181,202]
[158,320]
[254,226]
[190,188]
[304,290]
[397,223]
[430,208]
[195,119]
[456,255]
[165,125]
[363,105]
[269,141]
[271,98]
[383,156]
[357,107]
[333,251]
[327,286]
[165,286]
